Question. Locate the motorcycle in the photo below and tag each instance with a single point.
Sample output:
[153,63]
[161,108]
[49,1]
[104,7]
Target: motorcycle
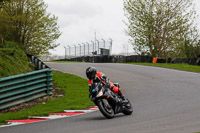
[109,103]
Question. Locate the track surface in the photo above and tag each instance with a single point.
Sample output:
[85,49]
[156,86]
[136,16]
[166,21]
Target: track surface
[164,101]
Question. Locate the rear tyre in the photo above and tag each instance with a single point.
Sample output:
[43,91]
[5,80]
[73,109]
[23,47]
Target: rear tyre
[105,108]
[128,108]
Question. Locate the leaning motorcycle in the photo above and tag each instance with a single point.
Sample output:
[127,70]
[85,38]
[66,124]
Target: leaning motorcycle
[109,103]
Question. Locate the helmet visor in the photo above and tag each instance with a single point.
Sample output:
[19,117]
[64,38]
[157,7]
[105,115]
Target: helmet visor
[90,75]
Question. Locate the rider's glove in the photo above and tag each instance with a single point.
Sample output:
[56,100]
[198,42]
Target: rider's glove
[107,85]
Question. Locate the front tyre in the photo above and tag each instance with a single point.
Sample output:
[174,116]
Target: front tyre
[105,108]
[128,108]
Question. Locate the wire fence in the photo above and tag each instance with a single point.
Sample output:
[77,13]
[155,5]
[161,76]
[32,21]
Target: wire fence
[88,48]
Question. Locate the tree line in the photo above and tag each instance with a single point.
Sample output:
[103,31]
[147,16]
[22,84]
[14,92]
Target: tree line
[163,28]
[28,26]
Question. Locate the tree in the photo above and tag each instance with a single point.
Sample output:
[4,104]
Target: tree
[27,23]
[160,27]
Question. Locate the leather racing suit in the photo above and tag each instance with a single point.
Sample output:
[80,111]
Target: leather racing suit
[102,77]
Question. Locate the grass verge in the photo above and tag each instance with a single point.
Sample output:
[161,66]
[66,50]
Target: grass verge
[183,67]
[76,97]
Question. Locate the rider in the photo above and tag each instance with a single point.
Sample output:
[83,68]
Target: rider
[95,76]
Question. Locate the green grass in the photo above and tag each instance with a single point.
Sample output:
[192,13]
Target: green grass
[14,61]
[183,67]
[76,97]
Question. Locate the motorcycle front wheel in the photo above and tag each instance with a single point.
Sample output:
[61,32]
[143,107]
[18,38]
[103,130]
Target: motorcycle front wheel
[105,108]
[128,108]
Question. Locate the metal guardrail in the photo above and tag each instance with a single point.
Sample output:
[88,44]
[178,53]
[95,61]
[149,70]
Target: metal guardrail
[37,62]
[24,87]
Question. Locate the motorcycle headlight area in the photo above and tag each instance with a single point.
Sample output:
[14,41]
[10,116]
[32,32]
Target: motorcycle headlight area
[100,93]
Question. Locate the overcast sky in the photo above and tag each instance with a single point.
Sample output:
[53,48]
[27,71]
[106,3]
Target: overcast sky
[80,19]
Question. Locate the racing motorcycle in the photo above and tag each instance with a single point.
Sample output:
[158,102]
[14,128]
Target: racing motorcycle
[109,103]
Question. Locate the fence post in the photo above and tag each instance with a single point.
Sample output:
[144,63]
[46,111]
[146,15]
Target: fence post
[2,41]
[65,53]
[49,82]
[88,48]
[80,49]
[75,49]
[93,46]
[40,65]
[104,43]
[111,41]
[84,48]
[98,47]
[69,50]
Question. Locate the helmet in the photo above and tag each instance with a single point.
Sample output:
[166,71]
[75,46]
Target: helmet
[91,72]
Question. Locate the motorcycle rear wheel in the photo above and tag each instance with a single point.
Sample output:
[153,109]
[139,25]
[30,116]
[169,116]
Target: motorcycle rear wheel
[105,108]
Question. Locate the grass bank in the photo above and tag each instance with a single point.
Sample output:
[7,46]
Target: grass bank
[183,67]
[14,61]
[76,97]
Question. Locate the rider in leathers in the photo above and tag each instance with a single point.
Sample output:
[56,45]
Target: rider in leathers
[95,76]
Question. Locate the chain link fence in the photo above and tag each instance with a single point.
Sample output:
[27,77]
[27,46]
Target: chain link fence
[98,47]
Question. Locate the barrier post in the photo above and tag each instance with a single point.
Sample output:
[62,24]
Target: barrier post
[154,60]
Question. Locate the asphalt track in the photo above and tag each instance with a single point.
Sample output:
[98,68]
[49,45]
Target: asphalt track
[164,101]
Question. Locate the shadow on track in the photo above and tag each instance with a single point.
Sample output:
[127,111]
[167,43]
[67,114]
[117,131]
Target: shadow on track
[102,118]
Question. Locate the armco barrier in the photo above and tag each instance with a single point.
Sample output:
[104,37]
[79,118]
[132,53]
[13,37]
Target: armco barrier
[24,87]
[132,58]
[111,59]
[37,62]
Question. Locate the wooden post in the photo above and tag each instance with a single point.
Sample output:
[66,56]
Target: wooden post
[1,40]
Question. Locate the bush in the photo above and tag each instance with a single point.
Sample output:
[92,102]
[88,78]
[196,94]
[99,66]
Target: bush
[8,44]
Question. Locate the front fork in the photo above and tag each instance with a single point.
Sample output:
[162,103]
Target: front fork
[115,102]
